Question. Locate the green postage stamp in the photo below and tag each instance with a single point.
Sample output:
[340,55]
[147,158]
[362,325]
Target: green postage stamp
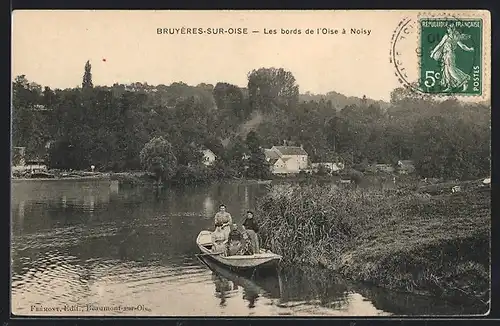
[451,56]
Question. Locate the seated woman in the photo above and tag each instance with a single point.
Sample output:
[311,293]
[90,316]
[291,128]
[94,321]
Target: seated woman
[238,243]
[247,243]
[218,240]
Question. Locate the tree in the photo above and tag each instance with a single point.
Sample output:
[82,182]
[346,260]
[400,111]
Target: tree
[253,141]
[87,76]
[271,88]
[235,152]
[323,170]
[158,157]
[229,98]
[30,118]
[258,168]
[108,126]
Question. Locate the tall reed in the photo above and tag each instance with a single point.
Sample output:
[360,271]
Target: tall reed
[397,238]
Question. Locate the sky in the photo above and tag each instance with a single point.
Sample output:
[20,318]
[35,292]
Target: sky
[51,48]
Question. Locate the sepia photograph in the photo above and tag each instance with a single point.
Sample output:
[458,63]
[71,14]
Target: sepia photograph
[250,163]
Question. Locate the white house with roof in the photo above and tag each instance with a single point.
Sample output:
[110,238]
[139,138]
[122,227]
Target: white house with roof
[286,159]
[406,166]
[208,157]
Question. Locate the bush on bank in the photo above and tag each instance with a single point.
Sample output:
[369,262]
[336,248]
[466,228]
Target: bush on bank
[399,239]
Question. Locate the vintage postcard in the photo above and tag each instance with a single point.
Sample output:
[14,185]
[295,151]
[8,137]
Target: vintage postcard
[251,163]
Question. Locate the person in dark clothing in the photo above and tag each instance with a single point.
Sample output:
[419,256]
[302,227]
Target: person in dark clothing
[250,223]
[252,228]
[238,243]
[234,234]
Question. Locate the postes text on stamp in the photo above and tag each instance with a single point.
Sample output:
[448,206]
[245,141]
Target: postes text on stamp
[451,53]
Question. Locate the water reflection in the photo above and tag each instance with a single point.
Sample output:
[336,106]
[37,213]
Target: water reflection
[247,199]
[414,305]
[251,297]
[20,213]
[295,288]
[114,187]
[209,206]
[222,288]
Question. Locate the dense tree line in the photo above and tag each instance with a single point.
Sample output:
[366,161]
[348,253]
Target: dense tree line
[109,127]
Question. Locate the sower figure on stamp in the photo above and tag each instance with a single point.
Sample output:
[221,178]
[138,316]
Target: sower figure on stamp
[444,52]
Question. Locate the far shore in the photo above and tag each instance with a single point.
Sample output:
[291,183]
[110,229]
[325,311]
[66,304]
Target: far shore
[130,177]
[141,177]
[100,177]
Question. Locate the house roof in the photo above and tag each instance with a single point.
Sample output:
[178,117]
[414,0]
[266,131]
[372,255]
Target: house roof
[406,162]
[290,150]
[270,154]
[273,160]
[208,150]
[34,160]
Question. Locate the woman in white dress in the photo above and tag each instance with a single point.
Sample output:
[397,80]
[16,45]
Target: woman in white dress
[224,220]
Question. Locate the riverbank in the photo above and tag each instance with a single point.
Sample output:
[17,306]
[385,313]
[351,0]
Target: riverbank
[403,239]
[134,177]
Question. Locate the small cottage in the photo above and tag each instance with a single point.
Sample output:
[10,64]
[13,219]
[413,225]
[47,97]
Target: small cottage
[35,165]
[387,168]
[208,157]
[406,166]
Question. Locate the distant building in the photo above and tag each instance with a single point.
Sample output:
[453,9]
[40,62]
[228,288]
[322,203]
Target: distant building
[329,166]
[208,157]
[388,168]
[286,159]
[406,166]
[276,164]
[32,165]
[40,107]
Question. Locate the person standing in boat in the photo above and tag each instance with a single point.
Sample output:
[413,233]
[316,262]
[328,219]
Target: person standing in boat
[252,228]
[224,220]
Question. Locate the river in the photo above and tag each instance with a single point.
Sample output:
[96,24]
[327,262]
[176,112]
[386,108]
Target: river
[94,248]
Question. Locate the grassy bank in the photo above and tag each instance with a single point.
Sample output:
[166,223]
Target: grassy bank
[400,239]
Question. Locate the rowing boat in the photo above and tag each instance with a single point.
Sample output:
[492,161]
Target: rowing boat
[264,258]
